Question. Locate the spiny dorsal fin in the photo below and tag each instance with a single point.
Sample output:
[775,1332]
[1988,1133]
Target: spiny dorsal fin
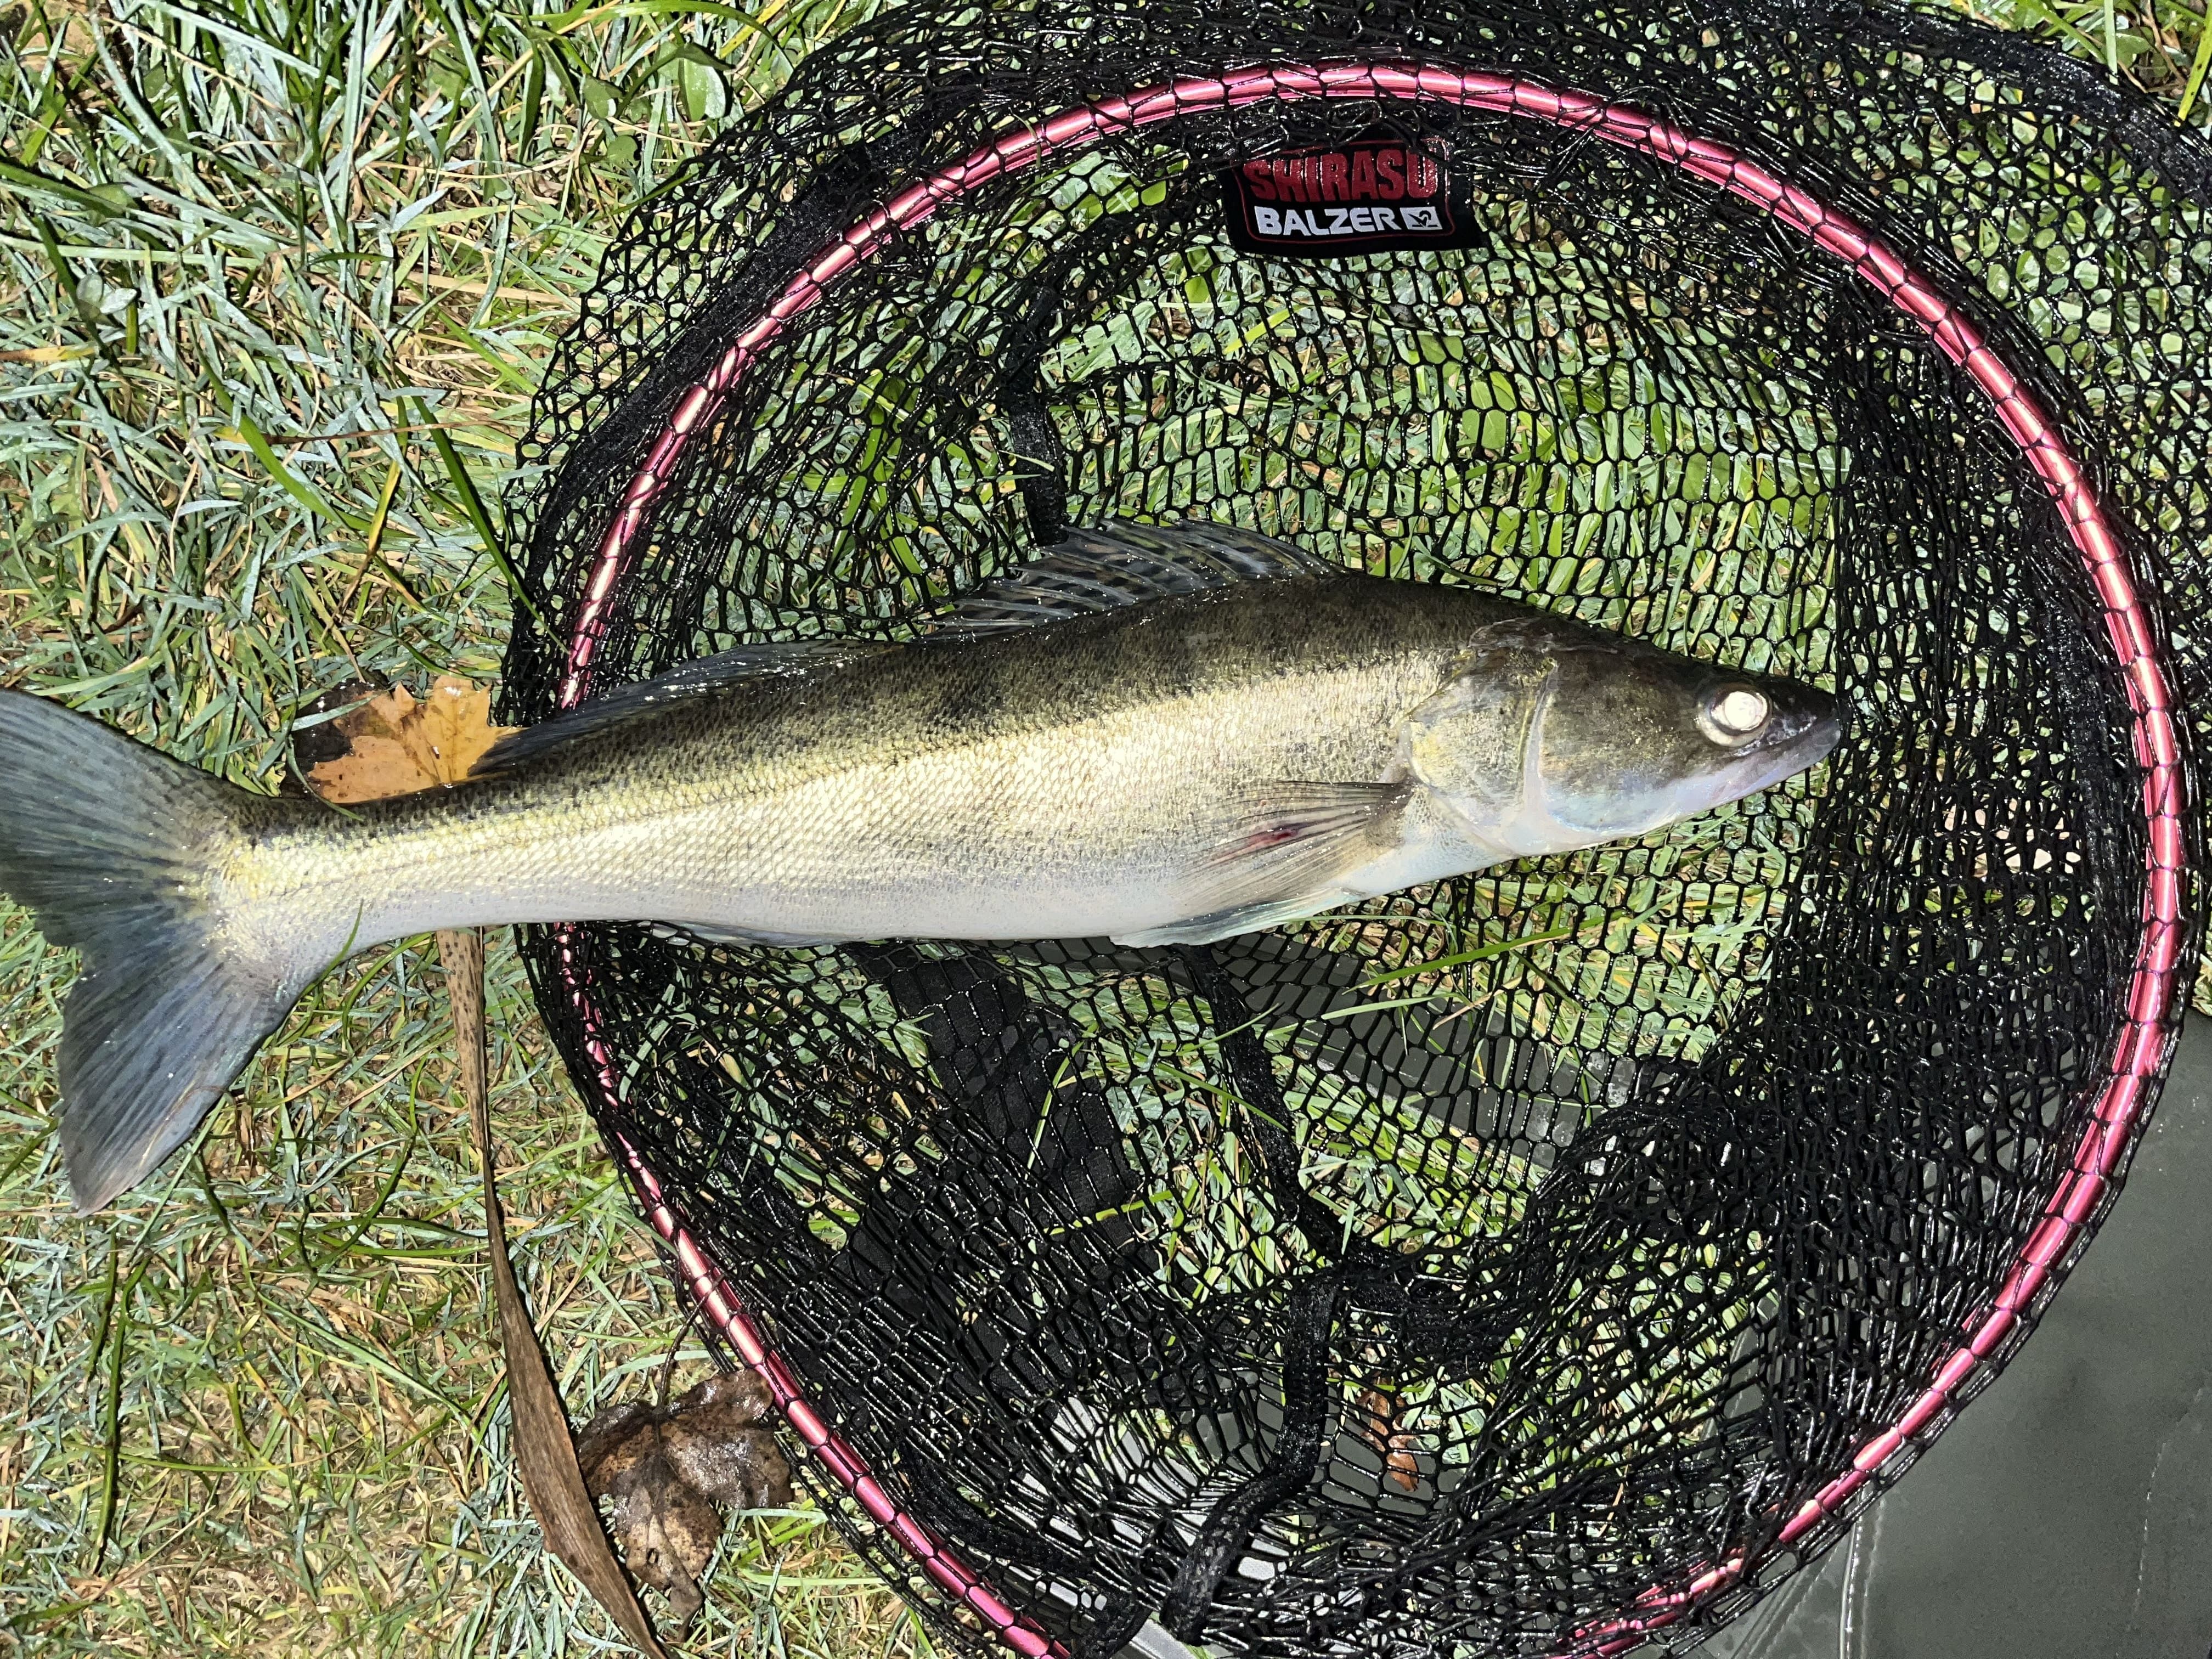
[689,679]
[112,847]
[1124,564]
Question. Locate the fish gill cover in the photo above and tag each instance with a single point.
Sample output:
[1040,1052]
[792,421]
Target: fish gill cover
[1554,1256]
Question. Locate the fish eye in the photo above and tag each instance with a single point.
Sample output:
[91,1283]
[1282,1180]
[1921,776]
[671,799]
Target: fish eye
[1735,713]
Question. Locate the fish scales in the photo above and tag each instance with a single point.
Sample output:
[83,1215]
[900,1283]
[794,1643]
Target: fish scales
[1161,735]
[1035,780]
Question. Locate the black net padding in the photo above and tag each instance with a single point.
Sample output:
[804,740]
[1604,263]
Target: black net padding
[1559,1254]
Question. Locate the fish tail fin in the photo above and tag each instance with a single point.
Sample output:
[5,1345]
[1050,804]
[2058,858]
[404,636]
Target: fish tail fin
[115,849]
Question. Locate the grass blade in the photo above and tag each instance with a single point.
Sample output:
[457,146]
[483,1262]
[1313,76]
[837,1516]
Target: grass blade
[472,503]
[2197,65]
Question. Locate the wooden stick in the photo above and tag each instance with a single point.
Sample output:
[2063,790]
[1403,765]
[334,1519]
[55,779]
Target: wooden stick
[544,1449]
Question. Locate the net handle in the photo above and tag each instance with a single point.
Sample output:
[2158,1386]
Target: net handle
[2147,1006]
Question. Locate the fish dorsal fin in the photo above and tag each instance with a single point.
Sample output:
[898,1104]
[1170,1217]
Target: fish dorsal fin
[1124,564]
[690,680]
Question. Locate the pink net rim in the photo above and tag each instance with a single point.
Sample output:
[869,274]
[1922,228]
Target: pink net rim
[2148,1001]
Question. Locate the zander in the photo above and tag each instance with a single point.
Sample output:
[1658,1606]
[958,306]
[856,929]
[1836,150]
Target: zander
[1159,735]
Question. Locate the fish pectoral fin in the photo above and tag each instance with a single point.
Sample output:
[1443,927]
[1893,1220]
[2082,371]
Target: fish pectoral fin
[1218,925]
[1285,852]
[700,934]
[702,677]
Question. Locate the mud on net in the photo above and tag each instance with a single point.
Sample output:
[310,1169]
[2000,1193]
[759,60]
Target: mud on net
[1558,1255]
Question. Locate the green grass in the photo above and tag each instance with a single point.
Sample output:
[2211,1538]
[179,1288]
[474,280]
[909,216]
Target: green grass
[250,256]
[261,1410]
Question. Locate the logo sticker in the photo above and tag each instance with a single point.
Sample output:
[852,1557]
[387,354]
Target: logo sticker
[1366,196]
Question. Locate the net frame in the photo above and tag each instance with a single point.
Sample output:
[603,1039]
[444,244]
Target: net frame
[2147,1004]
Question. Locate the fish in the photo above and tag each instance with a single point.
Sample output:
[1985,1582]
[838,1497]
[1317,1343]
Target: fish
[1155,734]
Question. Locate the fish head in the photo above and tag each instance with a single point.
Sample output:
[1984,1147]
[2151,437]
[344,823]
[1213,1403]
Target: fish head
[1549,737]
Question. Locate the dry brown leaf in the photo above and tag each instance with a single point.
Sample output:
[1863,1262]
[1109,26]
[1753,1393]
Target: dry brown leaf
[667,1468]
[395,745]
[1380,1432]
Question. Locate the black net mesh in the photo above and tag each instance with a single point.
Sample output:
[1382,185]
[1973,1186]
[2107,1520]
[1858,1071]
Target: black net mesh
[1505,1266]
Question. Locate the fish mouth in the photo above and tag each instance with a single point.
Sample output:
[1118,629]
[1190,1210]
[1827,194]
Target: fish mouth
[1799,736]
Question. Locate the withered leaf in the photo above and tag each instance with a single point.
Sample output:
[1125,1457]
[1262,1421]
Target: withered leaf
[666,1469]
[394,745]
[1400,1462]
